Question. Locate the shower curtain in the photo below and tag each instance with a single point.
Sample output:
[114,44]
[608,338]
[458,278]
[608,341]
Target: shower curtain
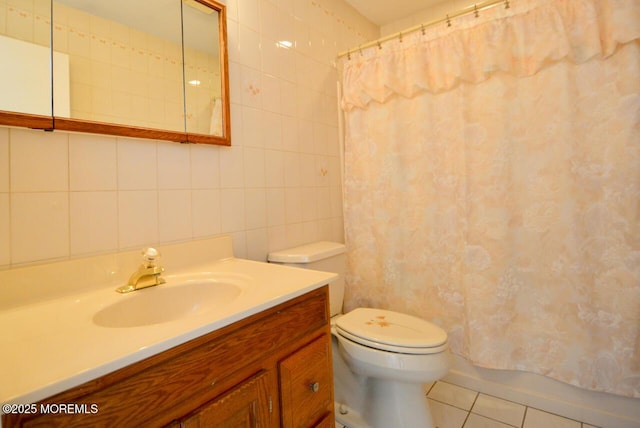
[492,186]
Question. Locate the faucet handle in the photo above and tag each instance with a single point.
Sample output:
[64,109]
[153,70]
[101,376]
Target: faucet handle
[150,256]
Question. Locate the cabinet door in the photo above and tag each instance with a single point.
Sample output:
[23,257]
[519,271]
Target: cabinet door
[305,385]
[247,405]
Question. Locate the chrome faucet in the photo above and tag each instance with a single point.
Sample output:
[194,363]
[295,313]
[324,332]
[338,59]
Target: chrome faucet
[147,275]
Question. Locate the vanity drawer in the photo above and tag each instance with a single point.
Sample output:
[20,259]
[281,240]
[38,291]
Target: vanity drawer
[306,384]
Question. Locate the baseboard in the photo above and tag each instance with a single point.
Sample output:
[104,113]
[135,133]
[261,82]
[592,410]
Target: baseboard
[595,408]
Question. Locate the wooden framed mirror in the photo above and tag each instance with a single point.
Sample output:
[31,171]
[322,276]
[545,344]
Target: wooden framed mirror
[122,67]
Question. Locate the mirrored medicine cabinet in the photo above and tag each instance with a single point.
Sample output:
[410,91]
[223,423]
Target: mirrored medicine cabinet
[146,68]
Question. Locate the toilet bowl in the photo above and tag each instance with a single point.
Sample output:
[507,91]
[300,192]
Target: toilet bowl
[381,358]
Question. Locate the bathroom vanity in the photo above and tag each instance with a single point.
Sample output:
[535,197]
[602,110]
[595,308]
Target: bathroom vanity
[264,359]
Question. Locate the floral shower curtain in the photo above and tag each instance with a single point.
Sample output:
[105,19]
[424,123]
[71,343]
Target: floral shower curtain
[492,186]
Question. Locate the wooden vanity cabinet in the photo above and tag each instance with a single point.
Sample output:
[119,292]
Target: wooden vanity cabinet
[272,369]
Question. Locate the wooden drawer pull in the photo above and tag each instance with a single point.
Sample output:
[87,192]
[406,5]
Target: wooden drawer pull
[315,386]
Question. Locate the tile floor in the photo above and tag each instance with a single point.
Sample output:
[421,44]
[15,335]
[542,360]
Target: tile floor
[455,407]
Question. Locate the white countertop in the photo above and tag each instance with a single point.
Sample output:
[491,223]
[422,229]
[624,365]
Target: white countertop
[54,345]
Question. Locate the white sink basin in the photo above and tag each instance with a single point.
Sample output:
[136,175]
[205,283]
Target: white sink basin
[164,303]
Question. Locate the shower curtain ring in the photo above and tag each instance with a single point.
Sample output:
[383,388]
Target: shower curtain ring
[475,10]
[506,4]
[448,21]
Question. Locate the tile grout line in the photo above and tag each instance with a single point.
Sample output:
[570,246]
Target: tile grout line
[494,419]
[524,417]
[553,414]
[470,409]
[449,404]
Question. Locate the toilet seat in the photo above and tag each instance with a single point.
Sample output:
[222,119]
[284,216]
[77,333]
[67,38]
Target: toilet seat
[391,331]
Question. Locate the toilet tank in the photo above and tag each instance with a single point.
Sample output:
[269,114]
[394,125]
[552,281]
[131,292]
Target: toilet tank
[324,256]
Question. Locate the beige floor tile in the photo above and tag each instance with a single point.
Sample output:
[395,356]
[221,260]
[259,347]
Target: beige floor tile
[427,387]
[477,421]
[502,410]
[454,395]
[537,418]
[445,416]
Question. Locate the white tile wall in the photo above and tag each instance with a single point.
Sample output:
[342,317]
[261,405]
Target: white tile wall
[93,218]
[137,218]
[205,167]
[232,208]
[67,195]
[428,14]
[93,163]
[39,161]
[4,160]
[276,208]
[39,226]
[5,213]
[174,220]
[174,166]
[206,212]
[5,230]
[137,164]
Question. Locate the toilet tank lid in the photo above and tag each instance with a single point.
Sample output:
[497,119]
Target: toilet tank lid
[308,253]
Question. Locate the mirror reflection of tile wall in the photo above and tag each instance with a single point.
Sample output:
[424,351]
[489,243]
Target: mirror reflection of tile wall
[119,74]
[26,20]
[25,76]
[203,91]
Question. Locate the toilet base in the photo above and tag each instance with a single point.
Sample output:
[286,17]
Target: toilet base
[348,417]
[392,405]
[374,402]
[396,404]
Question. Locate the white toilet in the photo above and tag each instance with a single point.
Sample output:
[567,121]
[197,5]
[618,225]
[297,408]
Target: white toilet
[381,359]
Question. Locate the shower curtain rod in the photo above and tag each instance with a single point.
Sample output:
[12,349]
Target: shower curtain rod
[476,8]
